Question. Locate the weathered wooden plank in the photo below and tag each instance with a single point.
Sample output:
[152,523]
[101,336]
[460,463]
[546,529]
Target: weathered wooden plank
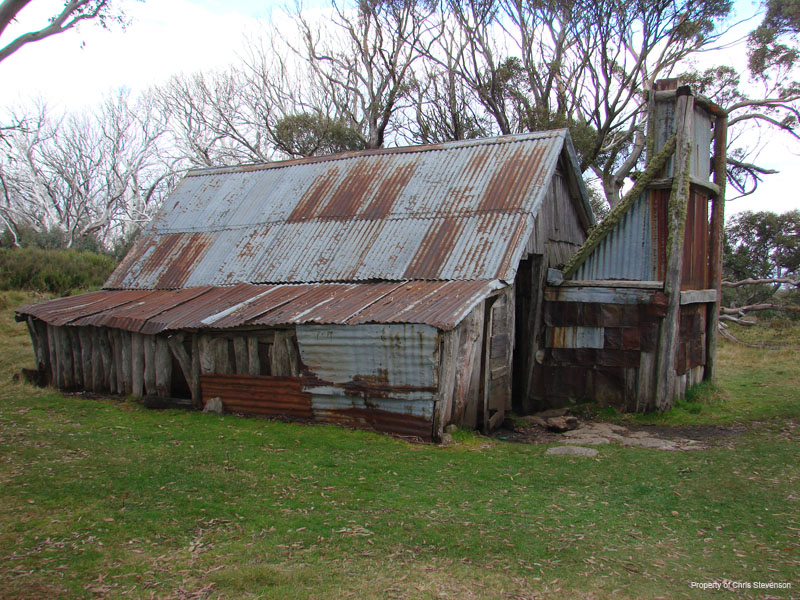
[253,361]
[612,284]
[448,356]
[163,368]
[38,330]
[116,339]
[715,243]
[241,366]
[194,382]
[77,357]
[52,350]
[137,364]
[279,359]
[645,385]
[85,337]
[698,296]
[676,222]
[222,356]
[99,373]
[149,349]
[127,365]
[107,354]
[468,355]
[205,353]
[630,387]
[601,295]
[66,372]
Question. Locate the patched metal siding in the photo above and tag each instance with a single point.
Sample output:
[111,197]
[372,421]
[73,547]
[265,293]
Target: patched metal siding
[627,252]
[456,211]
[383,376]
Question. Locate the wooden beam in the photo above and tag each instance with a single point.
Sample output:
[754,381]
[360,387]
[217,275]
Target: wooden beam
[715,243]
[194,382]
[99,372]
[676,223]
[253,363]
[149,343]
[137,364]
[163,368]
[698,296]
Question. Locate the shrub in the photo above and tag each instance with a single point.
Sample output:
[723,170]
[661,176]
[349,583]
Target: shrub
[60,272]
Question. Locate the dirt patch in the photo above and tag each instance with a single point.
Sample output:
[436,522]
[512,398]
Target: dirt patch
[598,433]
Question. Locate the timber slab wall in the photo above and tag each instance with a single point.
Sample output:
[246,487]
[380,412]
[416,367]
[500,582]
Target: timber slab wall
[600,344]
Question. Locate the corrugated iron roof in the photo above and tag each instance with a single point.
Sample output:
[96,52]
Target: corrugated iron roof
[437,303]
[454,211]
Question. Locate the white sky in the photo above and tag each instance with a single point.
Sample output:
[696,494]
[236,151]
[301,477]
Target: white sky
[165,37]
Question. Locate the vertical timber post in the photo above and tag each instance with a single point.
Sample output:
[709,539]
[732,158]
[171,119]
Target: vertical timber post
[715,258]
[676,223]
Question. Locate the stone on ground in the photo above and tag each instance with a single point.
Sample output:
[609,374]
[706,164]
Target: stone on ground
[573,451]
[214,406]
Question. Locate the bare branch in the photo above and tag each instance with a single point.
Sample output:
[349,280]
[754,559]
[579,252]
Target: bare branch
[771,280]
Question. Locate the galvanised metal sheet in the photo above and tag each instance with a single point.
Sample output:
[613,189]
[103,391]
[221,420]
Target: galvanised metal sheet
[459,248]
[461,210]
[441,305]
[397,357]
[627,252]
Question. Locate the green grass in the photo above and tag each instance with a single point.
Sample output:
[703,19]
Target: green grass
[102,498]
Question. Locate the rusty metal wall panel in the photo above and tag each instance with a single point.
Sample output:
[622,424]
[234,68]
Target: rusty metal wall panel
[401,358]
[379,376]
[460,210]
[262,396]
[628,251]
[416,422]
[575,337]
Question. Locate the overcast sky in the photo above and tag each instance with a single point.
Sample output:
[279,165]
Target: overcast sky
[170,36]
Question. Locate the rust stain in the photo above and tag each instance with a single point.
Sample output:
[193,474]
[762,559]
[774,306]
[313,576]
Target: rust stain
[510,181]
[513,245]
[180,253]
[310,203]
[134,255]
[349,194]
[389,190]
[402,425]
[261,396]
[476,164]
[435,248]
[250,248]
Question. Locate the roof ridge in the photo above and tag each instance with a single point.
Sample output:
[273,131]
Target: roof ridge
[353,154]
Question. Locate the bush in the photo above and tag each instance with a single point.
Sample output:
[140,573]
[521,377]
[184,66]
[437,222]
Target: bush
[60,272]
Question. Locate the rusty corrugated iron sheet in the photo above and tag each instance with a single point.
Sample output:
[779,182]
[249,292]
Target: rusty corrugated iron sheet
[383,377]
[440,304]
[262,396]
[455,211]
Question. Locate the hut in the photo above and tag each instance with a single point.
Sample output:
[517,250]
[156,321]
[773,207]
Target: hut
[632,321]
[395,289]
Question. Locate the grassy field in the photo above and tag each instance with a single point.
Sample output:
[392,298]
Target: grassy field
[104,499]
